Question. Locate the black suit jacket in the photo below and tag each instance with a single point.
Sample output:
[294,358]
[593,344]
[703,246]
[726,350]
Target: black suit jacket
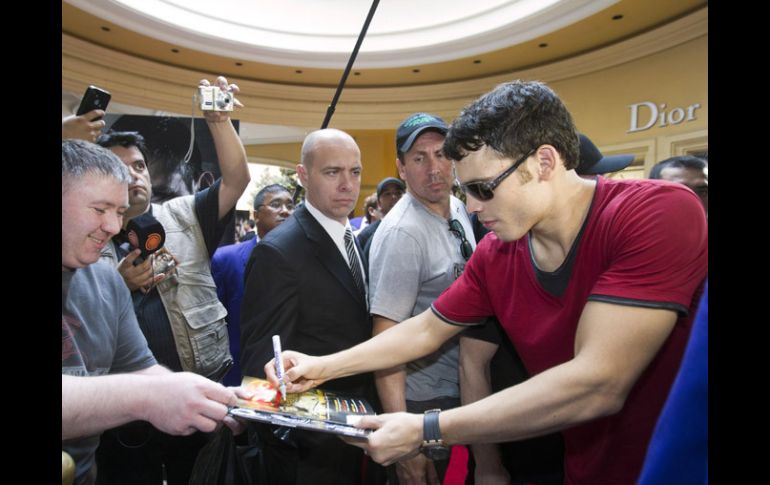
[298,286]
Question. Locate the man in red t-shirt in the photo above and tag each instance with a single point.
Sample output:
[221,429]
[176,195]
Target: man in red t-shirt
[595,282]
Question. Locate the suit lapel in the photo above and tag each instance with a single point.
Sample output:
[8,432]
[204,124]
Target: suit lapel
[327,253]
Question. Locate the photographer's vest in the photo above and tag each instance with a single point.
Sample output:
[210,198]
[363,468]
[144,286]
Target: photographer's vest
[190,298]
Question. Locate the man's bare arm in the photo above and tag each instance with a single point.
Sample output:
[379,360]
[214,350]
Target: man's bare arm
[90,405]
[391,387]
[176,403]
[407,341]
[614,344]
[476,384]
[391,383]
[230,152]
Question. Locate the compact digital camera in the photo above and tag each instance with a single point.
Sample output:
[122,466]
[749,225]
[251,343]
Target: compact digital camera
[214,99]
[163,263]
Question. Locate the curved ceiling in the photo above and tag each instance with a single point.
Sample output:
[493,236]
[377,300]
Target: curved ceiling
[308,42]
[402,32]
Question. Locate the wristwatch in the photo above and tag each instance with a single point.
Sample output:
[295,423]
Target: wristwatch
[432,445]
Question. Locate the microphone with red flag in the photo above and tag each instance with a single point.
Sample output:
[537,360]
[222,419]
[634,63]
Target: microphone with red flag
[146,233]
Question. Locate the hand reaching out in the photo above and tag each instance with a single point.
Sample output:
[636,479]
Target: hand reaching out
[237,426]
[397,436]
[303,372]
[82,127]
[181,403]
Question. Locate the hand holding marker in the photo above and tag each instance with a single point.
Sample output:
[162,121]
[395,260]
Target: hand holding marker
[279,364]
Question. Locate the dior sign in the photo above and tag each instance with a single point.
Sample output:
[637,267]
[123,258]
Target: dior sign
[644,115]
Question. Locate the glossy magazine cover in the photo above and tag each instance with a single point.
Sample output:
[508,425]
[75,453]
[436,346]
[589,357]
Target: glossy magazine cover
[315,409]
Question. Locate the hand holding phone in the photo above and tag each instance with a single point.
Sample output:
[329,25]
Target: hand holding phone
[94,98]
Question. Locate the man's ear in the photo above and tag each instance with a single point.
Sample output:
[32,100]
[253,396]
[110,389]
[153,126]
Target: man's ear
[548,159]
[302,175]
[400,167]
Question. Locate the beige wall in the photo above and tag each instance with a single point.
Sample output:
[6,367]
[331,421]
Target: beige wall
[678,77]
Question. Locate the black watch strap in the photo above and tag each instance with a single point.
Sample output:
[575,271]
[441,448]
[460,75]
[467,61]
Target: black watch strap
[431,432]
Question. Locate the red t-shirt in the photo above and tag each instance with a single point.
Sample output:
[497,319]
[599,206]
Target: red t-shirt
[644,243]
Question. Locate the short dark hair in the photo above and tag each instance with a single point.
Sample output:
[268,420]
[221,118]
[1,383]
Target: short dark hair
[683,161]
[259,199]
[370,201]
[125,139]
[79,158]
[512,119]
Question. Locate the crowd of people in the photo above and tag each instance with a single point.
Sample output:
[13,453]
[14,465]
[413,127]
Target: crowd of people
[542,321]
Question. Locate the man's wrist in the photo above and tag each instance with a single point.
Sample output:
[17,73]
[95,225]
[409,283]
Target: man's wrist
[140,404]
[432,445]
[337,366]
[220,122]
[431,430]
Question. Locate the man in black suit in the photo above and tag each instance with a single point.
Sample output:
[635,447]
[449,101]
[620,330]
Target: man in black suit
[300,284]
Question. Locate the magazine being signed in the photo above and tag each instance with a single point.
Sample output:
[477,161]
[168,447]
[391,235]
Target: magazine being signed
[315,409]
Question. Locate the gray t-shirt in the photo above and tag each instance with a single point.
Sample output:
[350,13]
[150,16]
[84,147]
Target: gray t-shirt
[99,336]
[414,258]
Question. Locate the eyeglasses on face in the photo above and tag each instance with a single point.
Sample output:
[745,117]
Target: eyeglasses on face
[456,228]
[277,204]
[486,190]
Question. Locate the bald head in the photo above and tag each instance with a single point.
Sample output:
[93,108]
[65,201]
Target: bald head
[330,172]
[328,137]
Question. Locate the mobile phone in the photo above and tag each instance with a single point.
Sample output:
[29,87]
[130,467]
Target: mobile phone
[94,98]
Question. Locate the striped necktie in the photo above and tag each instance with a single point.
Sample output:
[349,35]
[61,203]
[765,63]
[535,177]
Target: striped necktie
[355,267]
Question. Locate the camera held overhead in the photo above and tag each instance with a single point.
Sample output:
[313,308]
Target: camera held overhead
[214,99]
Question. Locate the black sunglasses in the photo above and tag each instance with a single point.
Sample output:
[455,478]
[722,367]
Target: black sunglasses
[486,190]
[457,229]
